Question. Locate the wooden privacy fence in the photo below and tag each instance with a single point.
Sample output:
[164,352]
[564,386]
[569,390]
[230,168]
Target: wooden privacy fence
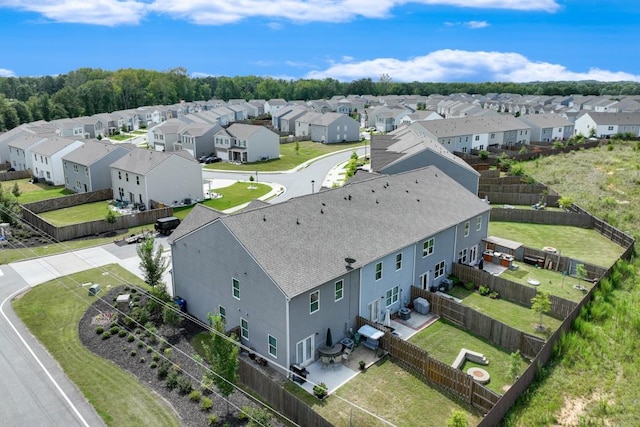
[558,262]
[496,198]
[443,376]
[536,216]
[69,201]
[511,291]
[505,187]
[607,230]
[10,176]
[494,331]
[278,398]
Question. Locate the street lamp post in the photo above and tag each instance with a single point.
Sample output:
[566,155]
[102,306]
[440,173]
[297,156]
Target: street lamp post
[312,184]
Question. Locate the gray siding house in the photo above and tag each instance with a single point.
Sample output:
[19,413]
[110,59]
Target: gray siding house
[331,128]
[548,127]
[87,168]
[247,143]
[403,150]
[285,273]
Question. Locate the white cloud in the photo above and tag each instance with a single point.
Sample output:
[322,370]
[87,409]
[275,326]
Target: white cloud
[474,25]
[301,64]
[275,25]
[6,73]
[208,12]
[198,74]
[96,12]
[459,65]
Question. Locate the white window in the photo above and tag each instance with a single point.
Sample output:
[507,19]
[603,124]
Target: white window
[466,228]
[379,271]
[273,346]
[137,180]
[339,290]
[479,223]
[223,313]
[75,168]
[392,296]
[244,328]
[236,288]
[78,184]
[462,256]
[427,247]
[119,175]
[126,176]
[477,138]
[398,261]
[439,270]
[314,302]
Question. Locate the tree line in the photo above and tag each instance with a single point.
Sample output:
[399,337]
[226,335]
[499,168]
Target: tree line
[87,91]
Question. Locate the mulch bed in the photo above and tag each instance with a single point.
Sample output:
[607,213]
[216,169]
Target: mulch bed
[119,350]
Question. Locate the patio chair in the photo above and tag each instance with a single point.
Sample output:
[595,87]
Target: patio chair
[325,361]
[346,355]
[356,339]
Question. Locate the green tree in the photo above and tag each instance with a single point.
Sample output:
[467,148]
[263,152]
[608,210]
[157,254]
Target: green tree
[297,148]
[16,190]
[541,304]
[581,273]
[457,419]
[515,362]
[223,357]
[565,202]
[111,218]
[9,208]
[152,263]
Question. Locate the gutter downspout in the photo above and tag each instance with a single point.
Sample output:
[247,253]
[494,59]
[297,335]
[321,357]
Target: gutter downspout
[288,338]
[455,246]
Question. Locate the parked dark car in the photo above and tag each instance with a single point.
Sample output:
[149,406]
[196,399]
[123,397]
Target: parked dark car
[212,159]
[166,225]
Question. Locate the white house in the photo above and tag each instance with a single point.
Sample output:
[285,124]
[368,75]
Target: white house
[47,158]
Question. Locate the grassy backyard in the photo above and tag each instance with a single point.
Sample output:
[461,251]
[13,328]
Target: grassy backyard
[232,196]
[518,317]
[78,214]
[575,242]
[391,393]
[443,341]
[52,312]
[289,159]
[35,192]
[551,281]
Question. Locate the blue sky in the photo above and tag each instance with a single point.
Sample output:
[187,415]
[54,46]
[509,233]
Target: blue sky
[424,40]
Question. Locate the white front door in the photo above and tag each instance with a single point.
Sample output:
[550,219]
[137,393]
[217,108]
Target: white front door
[424,281]
[473,254]
[304,351]
[373,309]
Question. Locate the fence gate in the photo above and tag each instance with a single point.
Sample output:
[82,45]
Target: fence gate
[530,346]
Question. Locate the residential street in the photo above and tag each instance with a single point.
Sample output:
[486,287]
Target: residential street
[36,390]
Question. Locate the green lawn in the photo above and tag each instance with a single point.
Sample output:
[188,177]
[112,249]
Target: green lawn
[551,281]
[289,159]
[391,393]
[35,192]
[518,317]
[579,243]
[52,311]
[78,214]
[443,341]
[233,195]
[120,137]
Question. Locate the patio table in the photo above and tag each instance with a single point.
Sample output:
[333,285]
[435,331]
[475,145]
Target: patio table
[331,352]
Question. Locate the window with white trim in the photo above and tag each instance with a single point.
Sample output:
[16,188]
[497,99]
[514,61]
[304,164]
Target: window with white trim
[235,284]
[379,271]
[398,261]
[438,270]
[244,328]
[223,313]
[273,346]
[467,226]
[479,223]
[339,290]
[314,302]
[427,247]
[462,256]
[392,296]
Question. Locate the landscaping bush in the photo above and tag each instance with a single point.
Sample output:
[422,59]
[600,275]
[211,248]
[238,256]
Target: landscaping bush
[172,380]
[184,385]
[122,333]
[206,404]
[99,330]
[470,286]
[140,344]
[106,335]
[149,349]
[153,365]
[494,295]
[156,357]
[142,360]
[133,353]
[484,290]
[115,330]
[213,419]
[195,396]
[163,369]
[131,338]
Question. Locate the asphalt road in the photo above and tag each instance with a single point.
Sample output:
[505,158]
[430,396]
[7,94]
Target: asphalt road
[35,390]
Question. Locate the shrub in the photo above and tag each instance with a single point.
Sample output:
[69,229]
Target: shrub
[133,353]
[168,353]
[115,330]
[149,349]
[142,360]
[257,416]
[163,369]
[494,295]
[484,290]
[213,419]
[320,390]
[184,385]
[484,154]
[99,330]
[195,396]
[206,384]
[470,286]
[206,404]
[243,415]
[140,344]
[156,357]
[153,365]
[172,380]
[458,418]
[122,333]
[106,335]
[131,338]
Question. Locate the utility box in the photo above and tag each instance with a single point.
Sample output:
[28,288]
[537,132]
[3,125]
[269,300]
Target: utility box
[94,290]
